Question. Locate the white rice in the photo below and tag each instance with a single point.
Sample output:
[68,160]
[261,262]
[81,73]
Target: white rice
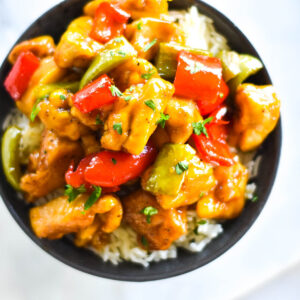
[200,33]
[199,30]
[124,246]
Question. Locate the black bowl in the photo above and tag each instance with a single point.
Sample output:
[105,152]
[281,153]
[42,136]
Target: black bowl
[54,22]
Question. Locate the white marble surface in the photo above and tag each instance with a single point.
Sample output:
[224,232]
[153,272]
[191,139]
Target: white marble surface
[271,249]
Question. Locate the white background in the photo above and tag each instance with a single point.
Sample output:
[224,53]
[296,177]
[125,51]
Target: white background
[265,264]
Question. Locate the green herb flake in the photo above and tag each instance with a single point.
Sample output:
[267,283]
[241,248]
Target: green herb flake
[122,53]
[115,91]
[111,53]
[202,222]
[148,75]
[194,67]
[149,211]
[118,128]
[62,97]
[199,127]
[114,161]
[131,88]
[162,120]
[150,104]
[139,25]
[144,241]
[72,192]
[118,39]
[254,199]
[201,195]
[196,230]
[98,120]
[150,45]
[36,109]
[127,98]
[93,197]
[181,167]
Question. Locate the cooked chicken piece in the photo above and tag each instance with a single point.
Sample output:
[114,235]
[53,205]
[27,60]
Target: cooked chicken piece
[95,119]
[90,144]
[131,123]
[162,229]
[92,235]
[259,110]
[146,34]
[183,113]
[54,158]
[55,115]
[199,179]
[228,198]
[47,72]
[59,216]
[137,8]
[160,137]
[133,72]
[40,46]
[76,48]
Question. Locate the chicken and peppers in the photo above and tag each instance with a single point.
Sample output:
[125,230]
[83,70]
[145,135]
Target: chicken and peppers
[138,127]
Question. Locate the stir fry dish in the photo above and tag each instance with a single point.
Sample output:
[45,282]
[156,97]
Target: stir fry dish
[129,132]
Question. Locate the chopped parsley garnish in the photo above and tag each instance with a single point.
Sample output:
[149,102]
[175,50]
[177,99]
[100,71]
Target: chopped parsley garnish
[127,98]
[148,75]
[202,222]
[254,199]
[131,88]
[162,120]
[144,241]
[98,120]
[150,45]
[118,128]
[118,39]
[72,192]
[139,26]
[111,53]
[36,109]
[199,127]
[150,104]
[122,53]
[93,197]
[62,97]
[181,167]
[114,161]
[115,91]
[201,195]
[194,67]
[149,211]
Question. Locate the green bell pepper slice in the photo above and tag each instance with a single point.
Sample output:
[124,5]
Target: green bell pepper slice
[43,90]
[249,65]
[10,156]
[230,63]
[114,53]
[166,59]
[164,179]
[238,67]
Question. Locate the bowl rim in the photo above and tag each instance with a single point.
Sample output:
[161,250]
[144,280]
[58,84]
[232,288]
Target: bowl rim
[184,269]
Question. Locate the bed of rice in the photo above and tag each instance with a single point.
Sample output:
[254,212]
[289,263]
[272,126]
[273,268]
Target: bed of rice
[200,33]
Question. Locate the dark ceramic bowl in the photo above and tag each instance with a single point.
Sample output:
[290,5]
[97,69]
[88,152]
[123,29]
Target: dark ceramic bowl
[54,22]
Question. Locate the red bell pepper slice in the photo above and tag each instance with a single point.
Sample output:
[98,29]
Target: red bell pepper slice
[207,107]
[95,95]
[214,148]
[109,168]
[18,78]
[200,77]
[76,178]
[109,22]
